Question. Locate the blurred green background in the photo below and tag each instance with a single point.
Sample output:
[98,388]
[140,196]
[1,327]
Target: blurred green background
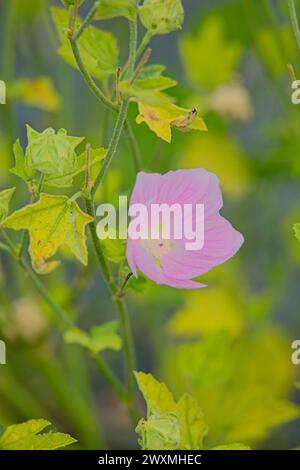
[229,344]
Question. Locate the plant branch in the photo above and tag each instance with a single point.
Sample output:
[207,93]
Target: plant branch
[87,20]
[86,75]
[121,309]
[113,144]
[135,151]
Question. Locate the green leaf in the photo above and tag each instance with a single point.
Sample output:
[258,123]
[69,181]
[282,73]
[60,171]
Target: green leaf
[170,425]
[77,336]
[159,432]
[66,180]
[52,221]
[106,337]
[98,49]
[69,3]
[297,231]
[20,169]
[100,337]
[151,71]
[113,8]
[162,16]
[51,153]
[114,250]
[157,396]
[199,54]
[2,92]
[146,89]
[193,428]
[25,436]
[5,197]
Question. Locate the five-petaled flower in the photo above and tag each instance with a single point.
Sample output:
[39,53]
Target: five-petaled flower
[167,261]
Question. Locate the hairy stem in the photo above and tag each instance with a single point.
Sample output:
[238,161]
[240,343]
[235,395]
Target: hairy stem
[86,22]
[89,80]
[112,148]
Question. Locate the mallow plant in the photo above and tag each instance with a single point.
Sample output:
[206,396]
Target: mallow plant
[51,167]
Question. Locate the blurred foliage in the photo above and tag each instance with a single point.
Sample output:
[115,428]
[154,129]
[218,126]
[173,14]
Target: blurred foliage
[226,346]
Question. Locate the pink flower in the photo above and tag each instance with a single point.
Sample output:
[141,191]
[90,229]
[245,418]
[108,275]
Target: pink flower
[167,261]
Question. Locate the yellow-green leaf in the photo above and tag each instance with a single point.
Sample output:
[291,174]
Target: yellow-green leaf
[297,231]
[25,436]
[193,428]
[114,249]
[52,221]
[159,432]
[20,169]
[160,119]
[199,54]
[157,396]
[98,49]
[100,337]
[66,180]
[5,197]
[113,8]
[161,16]
[2,92]
[145,89]
[38,92]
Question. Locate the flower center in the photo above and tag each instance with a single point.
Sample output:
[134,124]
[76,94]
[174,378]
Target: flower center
[158,248]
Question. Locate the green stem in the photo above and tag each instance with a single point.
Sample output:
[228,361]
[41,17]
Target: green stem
[89,80]
[132,48]
[102,261]
[87,20]
[294,20]
[133,146]
[45,294]
[110,377]
[4,247]
[145,41]
[113,144]
[122,313]
[115,139]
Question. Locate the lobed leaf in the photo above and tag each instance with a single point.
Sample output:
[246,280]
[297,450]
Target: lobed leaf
[52,221]
[98,49]
[5,197]
[100,338]
[161,118]
[25,436]
[170,425]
